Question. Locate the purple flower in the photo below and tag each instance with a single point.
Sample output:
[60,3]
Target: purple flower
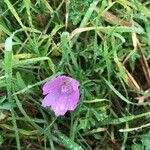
[62,94]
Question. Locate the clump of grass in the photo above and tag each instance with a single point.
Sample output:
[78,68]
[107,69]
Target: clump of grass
[106,49]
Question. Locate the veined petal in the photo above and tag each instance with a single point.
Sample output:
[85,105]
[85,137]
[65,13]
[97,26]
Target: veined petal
[50,100]
[73,100]
[54,84]
[65,103]
[61,105]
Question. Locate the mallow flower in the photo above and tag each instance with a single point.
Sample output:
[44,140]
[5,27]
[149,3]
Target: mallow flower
[61,94]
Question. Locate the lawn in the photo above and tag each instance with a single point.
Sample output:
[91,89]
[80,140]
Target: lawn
[100,49]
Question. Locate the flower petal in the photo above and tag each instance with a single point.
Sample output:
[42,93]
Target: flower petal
[61,106]
[65,103]
[53,84]
[75,85]
[73,100]
[50,100]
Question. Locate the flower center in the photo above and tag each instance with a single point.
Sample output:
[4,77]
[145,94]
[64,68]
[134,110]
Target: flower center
[66,88]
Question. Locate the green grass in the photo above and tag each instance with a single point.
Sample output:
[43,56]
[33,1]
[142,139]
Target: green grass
[104,45]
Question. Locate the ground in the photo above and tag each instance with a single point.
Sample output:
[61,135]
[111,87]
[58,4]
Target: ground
[104,45]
